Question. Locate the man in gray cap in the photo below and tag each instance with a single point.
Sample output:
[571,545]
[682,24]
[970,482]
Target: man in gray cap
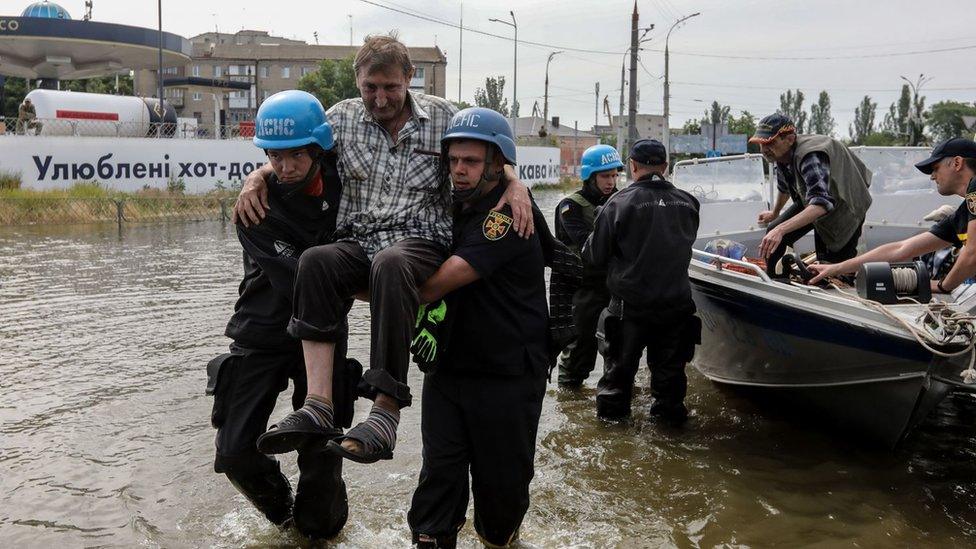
[827,184]
[953,168]
[643,239]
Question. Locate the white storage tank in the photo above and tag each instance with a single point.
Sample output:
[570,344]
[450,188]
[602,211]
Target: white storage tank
[101,115]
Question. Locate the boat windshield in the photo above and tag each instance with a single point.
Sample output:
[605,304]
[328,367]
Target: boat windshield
[893,169]
[738,178]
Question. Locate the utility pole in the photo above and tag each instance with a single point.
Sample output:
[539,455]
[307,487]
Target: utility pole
[162,107]
[460,47]
[545,102]
[514,25]
[621,148]
[632,118]
[667,84]
[576,148]
[596,107]
[350,28]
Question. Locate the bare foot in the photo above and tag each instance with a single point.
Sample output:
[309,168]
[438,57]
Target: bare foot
[352,446]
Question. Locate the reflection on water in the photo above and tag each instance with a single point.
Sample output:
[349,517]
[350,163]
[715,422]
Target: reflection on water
[106,438]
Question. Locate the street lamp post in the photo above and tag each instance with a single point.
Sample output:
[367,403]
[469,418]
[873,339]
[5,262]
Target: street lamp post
[667,84]
[514,25]
[159,6]
[914,117]
[545,102]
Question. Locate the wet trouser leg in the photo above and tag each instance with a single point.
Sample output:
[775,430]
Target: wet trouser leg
[667,353]
[441,498]
[616,386]
[394,277]
[579,358]
[488,424]
[246,389]
[245,394]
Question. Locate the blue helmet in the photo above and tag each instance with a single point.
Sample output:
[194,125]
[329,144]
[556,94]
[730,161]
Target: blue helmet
[599,158]
[482,124]
[291,119]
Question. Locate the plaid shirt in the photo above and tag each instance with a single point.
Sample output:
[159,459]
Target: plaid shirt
[815,170]
[392,191]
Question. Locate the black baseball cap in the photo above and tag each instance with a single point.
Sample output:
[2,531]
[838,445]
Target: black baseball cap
[957,146]
[772,126]
[649,151]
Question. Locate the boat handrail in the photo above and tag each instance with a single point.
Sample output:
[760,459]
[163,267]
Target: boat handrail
[718,260]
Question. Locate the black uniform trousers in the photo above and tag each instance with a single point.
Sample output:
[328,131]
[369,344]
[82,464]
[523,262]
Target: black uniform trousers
[848,251]
[669,347]
[246,383]
[485,426]
[579,358]
[329,275]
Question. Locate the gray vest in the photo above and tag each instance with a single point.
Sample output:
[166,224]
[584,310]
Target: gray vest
[849,181]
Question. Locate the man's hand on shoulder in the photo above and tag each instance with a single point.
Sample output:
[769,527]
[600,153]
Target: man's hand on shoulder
[517,198]
[252,203]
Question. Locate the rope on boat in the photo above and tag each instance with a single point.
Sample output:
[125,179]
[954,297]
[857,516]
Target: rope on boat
[905,279]
[950,323]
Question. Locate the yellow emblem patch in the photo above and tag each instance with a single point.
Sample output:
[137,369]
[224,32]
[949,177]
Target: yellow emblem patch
[496,225]
[971,203]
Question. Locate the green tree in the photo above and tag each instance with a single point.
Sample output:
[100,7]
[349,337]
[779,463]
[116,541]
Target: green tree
[14,91]
[882,139]
[745,124]
[492,95]
[332,82]
[103,85]
[691,127]
[896,119]
[461,105]
[945,119]
[791,104]
[821,121]
[863,125]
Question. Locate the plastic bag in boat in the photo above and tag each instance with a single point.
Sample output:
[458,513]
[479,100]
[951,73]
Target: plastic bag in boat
[726,248]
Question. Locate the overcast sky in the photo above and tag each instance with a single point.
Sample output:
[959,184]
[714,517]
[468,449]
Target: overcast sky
[744,30]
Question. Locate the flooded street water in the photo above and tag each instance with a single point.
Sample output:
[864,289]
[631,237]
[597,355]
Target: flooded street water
[106,441]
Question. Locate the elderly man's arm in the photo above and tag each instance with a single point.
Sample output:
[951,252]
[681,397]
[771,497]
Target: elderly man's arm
[252,203]
[517,196]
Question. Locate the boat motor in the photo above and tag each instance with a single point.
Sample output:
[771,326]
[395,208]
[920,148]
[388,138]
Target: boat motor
[886,283]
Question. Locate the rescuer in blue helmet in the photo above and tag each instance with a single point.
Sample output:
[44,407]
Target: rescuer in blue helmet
[303,196]
[575,214]
[480,410]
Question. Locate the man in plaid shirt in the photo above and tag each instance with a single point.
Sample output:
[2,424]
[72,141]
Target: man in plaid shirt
[393,231]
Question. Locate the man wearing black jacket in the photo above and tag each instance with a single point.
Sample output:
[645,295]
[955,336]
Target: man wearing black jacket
[304,195]
[643,237]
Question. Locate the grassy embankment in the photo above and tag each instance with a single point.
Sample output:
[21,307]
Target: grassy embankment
[91,202]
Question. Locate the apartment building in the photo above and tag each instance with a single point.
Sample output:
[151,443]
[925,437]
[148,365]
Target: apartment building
[269,64]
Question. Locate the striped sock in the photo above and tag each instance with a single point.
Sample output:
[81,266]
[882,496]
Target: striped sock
[319,409]
[384,423]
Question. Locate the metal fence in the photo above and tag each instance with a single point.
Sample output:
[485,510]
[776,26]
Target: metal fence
[66,211]
[111,128]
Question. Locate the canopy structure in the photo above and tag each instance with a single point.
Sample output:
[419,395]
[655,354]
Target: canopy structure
[45,43]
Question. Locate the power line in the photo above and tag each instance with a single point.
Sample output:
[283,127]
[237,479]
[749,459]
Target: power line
[676,52]
[819,58]
[781,88]
[493,35]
